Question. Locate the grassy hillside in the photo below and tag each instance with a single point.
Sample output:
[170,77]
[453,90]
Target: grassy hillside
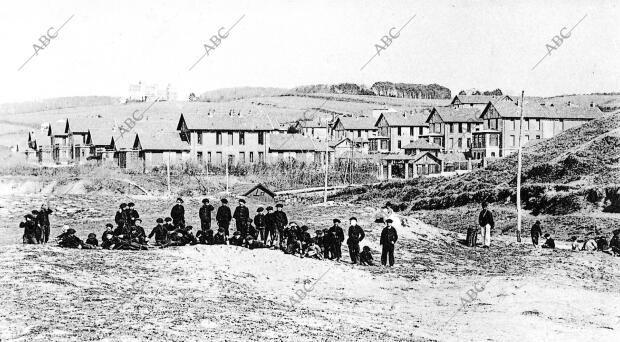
[56,103]
[574,173]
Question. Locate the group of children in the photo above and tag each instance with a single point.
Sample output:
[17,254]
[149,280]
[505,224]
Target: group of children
[264,230]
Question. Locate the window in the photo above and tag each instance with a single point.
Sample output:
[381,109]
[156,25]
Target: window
[451,142]
[218,158]
[537,137]
[512,124]
[460,142]
[359,133]
[526,139]
[261,138]
[399,143]
[199,139]
[242,157]
[411,130]
[561,124]
[241,138]
[230,139]
[468,127]
[493,140]
[492,123]
[231,159]
[218,138]
[451,128]
[468,142]
[251,157]
[437,128]
[399,131]
[460,128]
[420,130]
[526,124]
[199,157]
[537,125]
[209,157]
[261,157]
[512,140]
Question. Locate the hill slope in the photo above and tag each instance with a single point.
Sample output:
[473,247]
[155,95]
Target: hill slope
[578,169]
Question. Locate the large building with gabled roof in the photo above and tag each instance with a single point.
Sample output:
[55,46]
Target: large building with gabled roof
[219,137]
[451,127]
[400,128]
[501,128]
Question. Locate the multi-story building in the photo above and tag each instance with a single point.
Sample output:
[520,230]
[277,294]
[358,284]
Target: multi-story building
[499,135]
[478,101]
[400,128]
[295,146]
[358,130]
[82,147]
[217,138]
[62,141]
[317,128]
[451,127]
[160,148]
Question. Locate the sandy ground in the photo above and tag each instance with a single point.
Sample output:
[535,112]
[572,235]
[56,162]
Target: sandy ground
[438,291]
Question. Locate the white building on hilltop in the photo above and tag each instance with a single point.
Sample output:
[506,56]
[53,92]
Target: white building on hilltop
[143,92]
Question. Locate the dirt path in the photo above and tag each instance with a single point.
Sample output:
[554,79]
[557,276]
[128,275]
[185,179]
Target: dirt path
[438,291]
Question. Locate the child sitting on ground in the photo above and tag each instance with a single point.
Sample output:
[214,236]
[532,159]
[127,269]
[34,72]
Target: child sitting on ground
[550,243]
[313,251]
[92,240]
[366,257]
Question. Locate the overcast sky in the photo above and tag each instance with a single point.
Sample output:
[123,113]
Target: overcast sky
[459,44]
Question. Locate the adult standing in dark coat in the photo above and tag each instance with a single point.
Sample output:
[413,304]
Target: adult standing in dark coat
[486,223]
[388,239]
[178,214]
[281,219]
[536,232]
[205,215]
[241,216]
[223,216]
[30,229]
[38,230]
[356,235]
[44,221]
[337,237]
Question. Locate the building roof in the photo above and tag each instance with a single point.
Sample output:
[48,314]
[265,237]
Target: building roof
[293,142]
[317,123]
[408,157]
[403,119]
[453,157]
[225,122]
[247,188]
[160,141]
[536,110]
[479,99]
[422,145]
[460,114]
[101,137]
[364,123]
[40,138]
[59,127]
[124,142]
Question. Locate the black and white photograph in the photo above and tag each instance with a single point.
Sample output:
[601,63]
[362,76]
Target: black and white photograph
[326,170]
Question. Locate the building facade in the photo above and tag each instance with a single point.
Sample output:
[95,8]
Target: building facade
[400,128]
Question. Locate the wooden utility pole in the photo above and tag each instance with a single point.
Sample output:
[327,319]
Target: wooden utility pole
[326,165]
[519,172]
[227,160]
[168,172]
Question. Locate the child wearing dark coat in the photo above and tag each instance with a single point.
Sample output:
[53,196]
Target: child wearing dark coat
[366,257]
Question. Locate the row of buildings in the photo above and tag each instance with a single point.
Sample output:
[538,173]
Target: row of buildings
[405,144]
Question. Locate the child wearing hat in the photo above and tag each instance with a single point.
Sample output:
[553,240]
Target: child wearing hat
[204,213]
[160,232]
[178,213]
[168,224]
[270,227]
[92,240]
[259,223]
[336,237]
[550,243]
[223,216]
[30,229]
[356,235]
[219,238]
[236,239]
